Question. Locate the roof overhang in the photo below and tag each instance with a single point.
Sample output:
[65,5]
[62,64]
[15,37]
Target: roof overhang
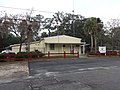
[62,43]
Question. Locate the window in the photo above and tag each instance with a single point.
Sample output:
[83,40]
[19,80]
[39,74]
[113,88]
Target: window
[77,45]
[52,47]
[63,45]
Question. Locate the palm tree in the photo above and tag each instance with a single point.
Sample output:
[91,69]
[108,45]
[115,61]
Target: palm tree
[92,26]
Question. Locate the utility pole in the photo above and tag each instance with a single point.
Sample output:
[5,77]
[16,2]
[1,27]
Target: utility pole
[29,34]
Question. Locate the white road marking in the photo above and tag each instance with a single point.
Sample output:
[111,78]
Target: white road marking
[51,73]
[95,68]
[81,70]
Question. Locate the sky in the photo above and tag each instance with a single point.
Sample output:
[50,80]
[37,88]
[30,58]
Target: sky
[104,9]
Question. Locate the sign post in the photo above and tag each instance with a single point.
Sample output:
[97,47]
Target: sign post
[102,49]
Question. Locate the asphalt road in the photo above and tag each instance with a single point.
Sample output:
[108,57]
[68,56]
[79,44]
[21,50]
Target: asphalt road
[70,74]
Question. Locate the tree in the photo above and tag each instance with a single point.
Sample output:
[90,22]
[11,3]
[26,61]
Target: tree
[4,29]
[44,34]
[26,28]
[113,32]
[37,26]
[19,28]
[69,24]
[11,39]
[92,27]
[49,25]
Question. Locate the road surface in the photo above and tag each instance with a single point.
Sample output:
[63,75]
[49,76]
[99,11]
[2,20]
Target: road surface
[70,74]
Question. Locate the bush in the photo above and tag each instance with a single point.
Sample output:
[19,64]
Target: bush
[2,56]
[33,54]
[22,55]
[7,56]
[36,54]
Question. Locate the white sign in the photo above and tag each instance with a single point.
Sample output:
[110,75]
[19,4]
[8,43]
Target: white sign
[102,49]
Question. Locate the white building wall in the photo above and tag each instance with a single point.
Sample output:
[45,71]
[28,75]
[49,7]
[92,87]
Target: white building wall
[44,47]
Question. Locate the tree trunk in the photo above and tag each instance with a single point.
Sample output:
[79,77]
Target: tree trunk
[91,36]
[95,44]
[20,41]
[29,40]
[20,47]
[1,44]
[49,33]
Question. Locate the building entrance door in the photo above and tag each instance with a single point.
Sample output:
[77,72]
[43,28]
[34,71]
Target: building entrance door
[72,49]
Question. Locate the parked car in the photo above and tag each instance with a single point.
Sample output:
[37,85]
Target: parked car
[6,51]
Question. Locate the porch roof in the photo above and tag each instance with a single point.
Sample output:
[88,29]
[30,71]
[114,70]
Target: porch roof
[82,43]
[62,39]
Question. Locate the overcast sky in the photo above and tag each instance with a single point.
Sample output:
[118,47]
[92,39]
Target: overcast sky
[105,9]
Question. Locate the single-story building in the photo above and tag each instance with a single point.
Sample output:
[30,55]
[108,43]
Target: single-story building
[54,44]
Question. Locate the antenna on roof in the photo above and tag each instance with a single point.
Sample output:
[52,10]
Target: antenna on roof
[73,6]
[73,20]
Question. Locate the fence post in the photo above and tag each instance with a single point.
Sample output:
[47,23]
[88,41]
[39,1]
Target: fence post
[64,54]
[110,54]
[48,54]
[118,53]
[87,54]
[78,55]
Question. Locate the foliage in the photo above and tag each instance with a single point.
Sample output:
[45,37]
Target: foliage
[11,39]
[93,26]
[16,29]
[6,55]
[26,27]
[33,54]
[113,34]
[65,23]
[4,30]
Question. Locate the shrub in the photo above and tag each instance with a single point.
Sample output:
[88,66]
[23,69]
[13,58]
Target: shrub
[22,55]
[36,54]
[2,56]
[33,54]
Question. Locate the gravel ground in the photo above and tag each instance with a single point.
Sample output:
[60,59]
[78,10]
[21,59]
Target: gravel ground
[13,70]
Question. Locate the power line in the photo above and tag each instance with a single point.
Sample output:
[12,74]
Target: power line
[26,9]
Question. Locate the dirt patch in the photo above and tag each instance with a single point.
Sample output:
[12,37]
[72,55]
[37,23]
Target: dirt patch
[12,70]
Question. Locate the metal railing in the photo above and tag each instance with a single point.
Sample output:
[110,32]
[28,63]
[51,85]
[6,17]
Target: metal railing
[30,56]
